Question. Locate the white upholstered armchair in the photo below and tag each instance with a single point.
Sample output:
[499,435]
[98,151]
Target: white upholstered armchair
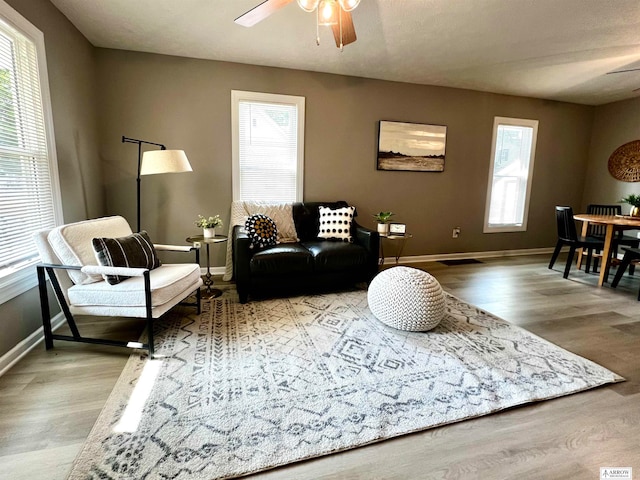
[93,272]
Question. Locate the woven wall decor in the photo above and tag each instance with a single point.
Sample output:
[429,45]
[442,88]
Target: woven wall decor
[624,163]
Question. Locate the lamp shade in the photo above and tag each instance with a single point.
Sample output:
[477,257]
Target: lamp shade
[328,12]
[308,5]
[164,161]
[348,5]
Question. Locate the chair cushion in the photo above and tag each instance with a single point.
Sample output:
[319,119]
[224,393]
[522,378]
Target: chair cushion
[336,256]
[72,243]
[167,281]
[282,258]
[335,224]
[134,251]
[628,240]
[261,230]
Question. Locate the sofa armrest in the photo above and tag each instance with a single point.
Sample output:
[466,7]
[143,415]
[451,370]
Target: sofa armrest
[242,254]
[121,271]
[370,240]
[180,249]
[173,248]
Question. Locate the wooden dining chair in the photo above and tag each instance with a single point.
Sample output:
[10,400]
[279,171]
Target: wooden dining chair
[567,235]
[631,256]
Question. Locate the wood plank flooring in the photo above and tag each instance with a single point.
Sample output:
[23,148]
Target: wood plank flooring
[50,400]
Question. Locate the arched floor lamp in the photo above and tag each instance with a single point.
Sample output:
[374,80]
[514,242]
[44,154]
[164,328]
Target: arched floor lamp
[157,161]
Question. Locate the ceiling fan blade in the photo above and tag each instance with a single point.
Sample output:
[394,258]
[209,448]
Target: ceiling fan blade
[348,30]
[260,12]
[624,71]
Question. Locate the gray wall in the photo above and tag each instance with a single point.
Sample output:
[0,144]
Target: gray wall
[185,103]
[71,66]
[614,125]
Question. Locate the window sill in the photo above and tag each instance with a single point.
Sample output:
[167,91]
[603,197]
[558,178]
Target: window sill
[505,229]
[17,283]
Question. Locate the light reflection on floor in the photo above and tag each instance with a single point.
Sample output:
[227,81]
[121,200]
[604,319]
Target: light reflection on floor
[133,412]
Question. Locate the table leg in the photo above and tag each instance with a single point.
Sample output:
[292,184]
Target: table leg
[399,251]
[208,281]
[606,255]
[585,230]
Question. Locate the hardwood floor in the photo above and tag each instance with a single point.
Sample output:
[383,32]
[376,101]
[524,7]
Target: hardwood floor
[50,400]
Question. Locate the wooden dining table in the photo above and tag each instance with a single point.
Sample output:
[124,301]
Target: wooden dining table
[614,223]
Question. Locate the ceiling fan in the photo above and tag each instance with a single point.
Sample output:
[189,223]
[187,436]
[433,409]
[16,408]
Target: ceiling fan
[333,13]
[626,70]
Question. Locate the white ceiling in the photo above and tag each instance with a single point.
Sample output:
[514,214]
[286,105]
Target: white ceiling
[552,49]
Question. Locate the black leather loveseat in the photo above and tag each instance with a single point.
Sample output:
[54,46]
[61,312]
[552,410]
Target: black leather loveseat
[288,268]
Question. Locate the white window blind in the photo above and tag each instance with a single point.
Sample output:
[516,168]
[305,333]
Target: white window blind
[268,147]
[28,200]
[513,152]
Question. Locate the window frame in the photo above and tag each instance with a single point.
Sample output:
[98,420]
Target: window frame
[236,97]
[516,122]
[24,278]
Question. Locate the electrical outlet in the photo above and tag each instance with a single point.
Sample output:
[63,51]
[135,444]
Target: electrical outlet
[456,232]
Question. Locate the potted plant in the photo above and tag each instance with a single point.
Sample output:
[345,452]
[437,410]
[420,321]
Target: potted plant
[383,221]
[208,225]
[634,201]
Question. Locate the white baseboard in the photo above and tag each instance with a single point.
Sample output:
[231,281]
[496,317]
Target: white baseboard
[459,256]
[443,256]
[12,357]
[213,270]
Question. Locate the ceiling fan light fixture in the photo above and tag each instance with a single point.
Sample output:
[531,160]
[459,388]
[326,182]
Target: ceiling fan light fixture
[308,5]
[328,12]
[348,5]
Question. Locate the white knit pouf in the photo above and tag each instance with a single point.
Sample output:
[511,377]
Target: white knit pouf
[407,299]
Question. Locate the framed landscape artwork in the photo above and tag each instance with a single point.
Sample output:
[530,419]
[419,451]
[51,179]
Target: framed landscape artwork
[411,147]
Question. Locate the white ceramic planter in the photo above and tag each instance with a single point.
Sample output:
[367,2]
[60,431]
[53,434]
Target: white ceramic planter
[209,232]
[383,228]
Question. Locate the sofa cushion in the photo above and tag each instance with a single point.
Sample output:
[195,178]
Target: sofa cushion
[167,281]
[261,230]
[72,243]
[282,258]
[335,256]
[282,214]
[335,224]
[133,251]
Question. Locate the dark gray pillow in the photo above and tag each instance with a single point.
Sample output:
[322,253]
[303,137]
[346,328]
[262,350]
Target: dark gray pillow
[133,251]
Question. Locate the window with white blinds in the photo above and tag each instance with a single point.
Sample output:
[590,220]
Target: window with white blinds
[29,198]
[268,146]
[512,155]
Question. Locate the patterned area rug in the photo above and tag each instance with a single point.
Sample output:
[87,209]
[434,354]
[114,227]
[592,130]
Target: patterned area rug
[244,388]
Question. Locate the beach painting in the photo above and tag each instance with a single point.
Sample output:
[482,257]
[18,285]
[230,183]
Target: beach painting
[411,147]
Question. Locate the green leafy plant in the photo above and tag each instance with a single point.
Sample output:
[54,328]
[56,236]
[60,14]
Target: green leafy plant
[631,199]
[209,222]
[383,217]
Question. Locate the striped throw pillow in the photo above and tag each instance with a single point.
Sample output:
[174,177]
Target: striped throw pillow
[133,251]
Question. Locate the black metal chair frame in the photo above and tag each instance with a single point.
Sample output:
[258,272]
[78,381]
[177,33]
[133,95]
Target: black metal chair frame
[75,336]
[630,255]
[567,235]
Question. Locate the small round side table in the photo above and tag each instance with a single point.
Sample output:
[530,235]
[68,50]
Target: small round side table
[197,241]
[401,239]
